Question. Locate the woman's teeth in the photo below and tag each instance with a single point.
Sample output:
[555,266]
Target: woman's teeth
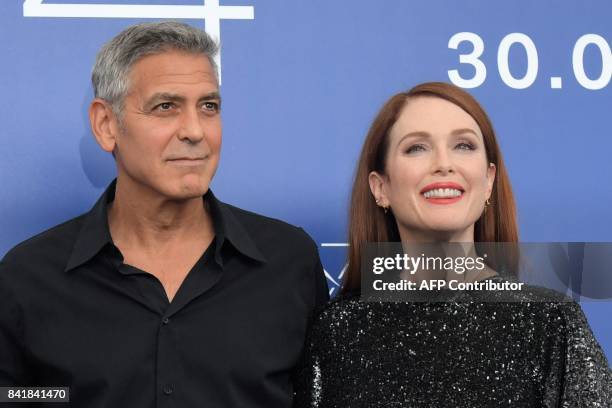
[442,193]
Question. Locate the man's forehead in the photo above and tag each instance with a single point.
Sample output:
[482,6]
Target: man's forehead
[173,72]
[172,55]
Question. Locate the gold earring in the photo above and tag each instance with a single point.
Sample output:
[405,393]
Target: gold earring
[385,209]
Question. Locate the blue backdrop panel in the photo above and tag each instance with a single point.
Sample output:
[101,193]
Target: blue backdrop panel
[301,81]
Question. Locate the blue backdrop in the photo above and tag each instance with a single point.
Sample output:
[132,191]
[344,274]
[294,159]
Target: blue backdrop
[301,81]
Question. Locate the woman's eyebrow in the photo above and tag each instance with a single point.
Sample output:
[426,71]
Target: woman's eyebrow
[463,131]
[416,134]
[421,134]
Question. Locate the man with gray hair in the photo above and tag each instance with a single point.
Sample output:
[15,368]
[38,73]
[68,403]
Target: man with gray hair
[161,295]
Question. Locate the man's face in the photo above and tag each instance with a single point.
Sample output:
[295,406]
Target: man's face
[170,138]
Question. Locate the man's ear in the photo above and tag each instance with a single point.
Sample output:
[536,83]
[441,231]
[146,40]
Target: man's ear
[104,124]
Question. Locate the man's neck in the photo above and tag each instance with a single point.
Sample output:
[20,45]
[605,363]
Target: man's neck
[139,219]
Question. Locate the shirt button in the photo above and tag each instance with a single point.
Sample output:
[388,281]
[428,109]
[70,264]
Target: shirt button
[168,389]
[165,320]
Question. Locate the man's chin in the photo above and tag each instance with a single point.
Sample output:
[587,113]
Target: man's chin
[189,192]
[180,191]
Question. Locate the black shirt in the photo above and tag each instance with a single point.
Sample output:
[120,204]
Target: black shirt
[73,314]
[476,348]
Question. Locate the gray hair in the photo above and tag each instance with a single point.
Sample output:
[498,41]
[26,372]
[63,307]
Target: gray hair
[110,76]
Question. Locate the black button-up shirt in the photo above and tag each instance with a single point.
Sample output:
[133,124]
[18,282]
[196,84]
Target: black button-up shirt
[73,314]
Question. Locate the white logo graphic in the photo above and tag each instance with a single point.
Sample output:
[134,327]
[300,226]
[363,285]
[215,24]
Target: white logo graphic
[334,283]
[210,11]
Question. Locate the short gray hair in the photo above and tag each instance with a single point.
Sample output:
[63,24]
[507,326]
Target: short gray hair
[110,76]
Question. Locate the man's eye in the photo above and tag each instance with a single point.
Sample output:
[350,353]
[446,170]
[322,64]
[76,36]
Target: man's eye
[415,148]
[164,106]
[211,106]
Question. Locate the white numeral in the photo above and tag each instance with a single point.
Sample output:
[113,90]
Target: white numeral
[606,61]
[472,59]
[532,61]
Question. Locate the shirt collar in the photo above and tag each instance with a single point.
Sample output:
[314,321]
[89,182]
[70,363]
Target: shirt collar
[228,227]
[95,234]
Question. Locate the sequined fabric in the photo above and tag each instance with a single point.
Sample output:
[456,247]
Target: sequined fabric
[536,350]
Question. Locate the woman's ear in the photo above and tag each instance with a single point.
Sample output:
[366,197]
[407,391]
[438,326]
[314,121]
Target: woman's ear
[491,171]
[377,187]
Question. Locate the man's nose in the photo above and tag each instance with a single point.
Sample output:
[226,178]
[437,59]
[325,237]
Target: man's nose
[191,129]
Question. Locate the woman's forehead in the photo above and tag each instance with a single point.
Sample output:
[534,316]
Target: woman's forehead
[434,116]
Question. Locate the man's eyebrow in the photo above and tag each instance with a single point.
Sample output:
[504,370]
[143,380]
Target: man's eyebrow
[210,96]
[163,96]
[171,97]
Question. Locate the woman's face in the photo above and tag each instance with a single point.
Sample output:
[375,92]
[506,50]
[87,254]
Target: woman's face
[437,175]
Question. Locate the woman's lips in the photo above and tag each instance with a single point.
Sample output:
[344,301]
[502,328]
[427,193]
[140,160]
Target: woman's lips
[438,200]
[442,184]
[443,192]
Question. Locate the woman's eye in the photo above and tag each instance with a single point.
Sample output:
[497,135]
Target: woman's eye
[415,148]
[466,146]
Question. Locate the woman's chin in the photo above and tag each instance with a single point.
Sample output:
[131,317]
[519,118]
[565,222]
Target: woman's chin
[447,232]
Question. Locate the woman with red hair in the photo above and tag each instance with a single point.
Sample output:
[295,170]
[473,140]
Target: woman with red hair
[431,171]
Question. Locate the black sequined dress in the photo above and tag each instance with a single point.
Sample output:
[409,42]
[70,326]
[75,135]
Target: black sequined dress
[529,348]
